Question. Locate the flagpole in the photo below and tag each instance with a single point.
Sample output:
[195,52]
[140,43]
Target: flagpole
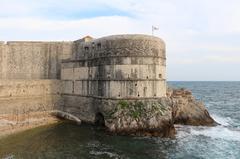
[152,30]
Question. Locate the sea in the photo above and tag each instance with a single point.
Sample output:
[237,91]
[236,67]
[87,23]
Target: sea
[70,141]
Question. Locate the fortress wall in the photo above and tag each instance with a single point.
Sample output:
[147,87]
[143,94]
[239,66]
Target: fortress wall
[29,91]
[115,72]
[81,107]
[33,60]
[28,102]
[29,96]
[113,68]
[115,89]
[133,64]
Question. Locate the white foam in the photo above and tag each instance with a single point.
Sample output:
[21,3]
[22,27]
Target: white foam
[225,121]
[183,131]
[9,157]
[223,131]
[218,132]
[99,153]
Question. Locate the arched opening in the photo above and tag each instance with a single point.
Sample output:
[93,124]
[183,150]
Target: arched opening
[99,119]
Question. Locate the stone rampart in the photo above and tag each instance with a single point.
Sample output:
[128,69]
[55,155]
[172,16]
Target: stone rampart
[28,102]
[33,60]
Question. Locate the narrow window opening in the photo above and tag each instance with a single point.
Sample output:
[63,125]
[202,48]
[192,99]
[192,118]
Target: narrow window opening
[160,75]
[99,46]
[108,75]
[86,48]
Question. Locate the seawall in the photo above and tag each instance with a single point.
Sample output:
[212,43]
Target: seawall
[30,86]
[28,103]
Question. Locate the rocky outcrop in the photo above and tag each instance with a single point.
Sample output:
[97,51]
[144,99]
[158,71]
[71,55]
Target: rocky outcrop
[187,110]
[156,117]
[141,118]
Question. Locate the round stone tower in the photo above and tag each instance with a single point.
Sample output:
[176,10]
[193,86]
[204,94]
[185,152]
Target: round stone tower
[112,68]
[128,66]
[122,66]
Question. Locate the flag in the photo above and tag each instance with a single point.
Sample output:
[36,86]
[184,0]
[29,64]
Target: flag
[154,28]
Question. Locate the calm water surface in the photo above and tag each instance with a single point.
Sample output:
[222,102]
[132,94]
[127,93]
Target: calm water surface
[67,140]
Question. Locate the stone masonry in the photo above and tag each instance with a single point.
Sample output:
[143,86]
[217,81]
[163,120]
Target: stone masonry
[120,67]
[83,78]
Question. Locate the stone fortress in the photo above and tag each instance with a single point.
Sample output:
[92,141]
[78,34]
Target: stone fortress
[69,76]
[84,80]
[112,68]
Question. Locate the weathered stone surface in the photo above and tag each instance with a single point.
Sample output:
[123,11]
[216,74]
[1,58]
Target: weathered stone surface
[139,117]
[33,60]
[186,110]
[155,117]
[28,103]
[117,80]
[65,115]
[12,123]
[120,66]
[104,72]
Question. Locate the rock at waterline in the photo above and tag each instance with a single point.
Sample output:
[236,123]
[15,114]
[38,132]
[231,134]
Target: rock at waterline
[187,110]
[156,117]
[141,118]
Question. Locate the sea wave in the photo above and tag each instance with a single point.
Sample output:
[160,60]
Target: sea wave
[218,132]
[225,121]
[109,154]
[224,131]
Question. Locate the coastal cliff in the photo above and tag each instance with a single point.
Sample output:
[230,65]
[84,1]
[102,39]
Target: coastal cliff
[157,117]
[141,118]
[186,110]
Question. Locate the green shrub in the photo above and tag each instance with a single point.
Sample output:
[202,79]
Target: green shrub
[123,104]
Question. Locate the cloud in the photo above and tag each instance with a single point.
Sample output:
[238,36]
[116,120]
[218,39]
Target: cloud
[42,29]
[224,59]
[196,32]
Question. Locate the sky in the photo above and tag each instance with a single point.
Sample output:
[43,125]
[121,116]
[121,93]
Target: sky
[202,36]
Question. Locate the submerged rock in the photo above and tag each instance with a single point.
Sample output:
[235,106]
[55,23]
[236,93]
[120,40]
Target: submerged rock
[187,110]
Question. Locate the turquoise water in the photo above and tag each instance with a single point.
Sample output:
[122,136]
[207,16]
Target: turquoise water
[67,140]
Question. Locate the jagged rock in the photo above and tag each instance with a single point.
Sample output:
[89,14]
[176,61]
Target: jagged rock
[186,110]
[141,118]
[157,117]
